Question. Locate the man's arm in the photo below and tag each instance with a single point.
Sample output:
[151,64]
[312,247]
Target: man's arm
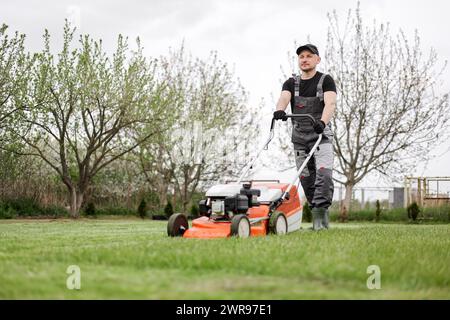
[329,98]
[284,100]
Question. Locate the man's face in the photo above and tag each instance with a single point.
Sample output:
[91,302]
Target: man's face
[307,61]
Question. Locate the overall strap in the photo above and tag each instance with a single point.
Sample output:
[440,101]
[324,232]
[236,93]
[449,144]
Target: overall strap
[320,87]
[296,84]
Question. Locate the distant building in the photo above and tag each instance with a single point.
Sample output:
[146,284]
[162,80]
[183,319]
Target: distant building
[396,198]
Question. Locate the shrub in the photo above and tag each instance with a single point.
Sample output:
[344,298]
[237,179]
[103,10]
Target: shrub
[142,209]
[194,212]
[152,200]
[377,211]
[307,215]
[25,207]
[397,214]
[55,211]
[159,217]
[441,213]
[6,212]
[429,214]
[115,211]
[90,209]
[168,210]
[413,211]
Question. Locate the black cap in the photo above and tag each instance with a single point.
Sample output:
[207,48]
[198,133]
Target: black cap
[309,47]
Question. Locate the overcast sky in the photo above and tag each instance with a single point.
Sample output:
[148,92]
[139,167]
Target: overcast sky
[253,36]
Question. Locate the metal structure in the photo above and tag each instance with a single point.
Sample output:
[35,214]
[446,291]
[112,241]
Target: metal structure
[423,193]
[365,192]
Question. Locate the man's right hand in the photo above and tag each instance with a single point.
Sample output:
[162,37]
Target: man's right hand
[279,115]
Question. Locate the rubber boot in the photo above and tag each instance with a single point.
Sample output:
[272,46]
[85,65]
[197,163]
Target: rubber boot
[317,216]
[326,219]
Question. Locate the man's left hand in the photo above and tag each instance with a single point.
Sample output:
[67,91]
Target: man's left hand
[319,126]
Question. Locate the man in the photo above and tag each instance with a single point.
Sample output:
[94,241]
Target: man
[312,93]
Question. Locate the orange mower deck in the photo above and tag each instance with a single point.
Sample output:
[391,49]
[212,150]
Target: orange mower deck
[207,228]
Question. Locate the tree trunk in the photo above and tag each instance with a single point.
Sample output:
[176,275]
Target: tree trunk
[76,200]
[345,208]
[185,207]
[184,193]
[163,189]
[174,198]
[184,198]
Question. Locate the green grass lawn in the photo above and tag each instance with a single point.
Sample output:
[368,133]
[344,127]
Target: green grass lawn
[134,259]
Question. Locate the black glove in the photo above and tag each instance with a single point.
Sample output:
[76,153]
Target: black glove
[319,126]
[279,115]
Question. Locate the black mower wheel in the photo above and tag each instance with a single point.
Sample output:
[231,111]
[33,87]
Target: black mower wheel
[177,225]
[240,226]
[278,223]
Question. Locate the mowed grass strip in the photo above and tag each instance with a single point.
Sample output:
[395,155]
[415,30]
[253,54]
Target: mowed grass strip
[134,259]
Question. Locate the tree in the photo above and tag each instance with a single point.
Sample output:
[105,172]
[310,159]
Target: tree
[85,110]
[211,122]
[14,78]
[413,211]
[142,208]
[307,214]
[14,66]
[168,209]
[390,112]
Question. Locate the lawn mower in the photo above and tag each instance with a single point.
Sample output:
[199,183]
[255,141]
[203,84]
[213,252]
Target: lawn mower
[246,208]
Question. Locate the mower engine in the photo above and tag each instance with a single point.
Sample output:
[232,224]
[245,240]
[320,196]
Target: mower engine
[223,201]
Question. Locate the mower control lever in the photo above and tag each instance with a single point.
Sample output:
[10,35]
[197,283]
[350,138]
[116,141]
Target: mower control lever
[279,202]
[293,115]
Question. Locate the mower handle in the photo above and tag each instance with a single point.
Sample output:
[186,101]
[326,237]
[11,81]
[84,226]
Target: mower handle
[266,144]
[310,117]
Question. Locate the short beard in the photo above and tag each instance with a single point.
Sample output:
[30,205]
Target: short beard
[307,70]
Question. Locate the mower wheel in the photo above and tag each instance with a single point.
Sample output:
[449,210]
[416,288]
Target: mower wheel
[278,223]
[177,225]
[240,226]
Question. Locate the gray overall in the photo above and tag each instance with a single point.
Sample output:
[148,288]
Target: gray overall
[316,178]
